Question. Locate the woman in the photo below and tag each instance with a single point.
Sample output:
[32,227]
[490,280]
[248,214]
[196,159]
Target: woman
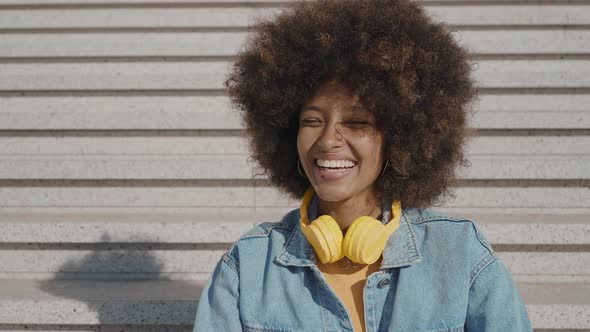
[358,109]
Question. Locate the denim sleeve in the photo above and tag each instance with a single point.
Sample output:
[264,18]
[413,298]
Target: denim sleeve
[494,303]
[218,304]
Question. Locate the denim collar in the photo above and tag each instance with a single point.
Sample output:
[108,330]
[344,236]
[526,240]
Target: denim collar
[400,250]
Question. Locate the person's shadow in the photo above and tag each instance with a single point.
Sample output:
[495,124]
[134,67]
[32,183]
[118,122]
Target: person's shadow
[123,289]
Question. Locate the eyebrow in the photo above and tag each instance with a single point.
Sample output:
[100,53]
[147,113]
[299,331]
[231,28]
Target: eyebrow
[309,107]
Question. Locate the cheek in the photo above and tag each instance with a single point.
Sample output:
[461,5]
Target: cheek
[374,151]
[302,143]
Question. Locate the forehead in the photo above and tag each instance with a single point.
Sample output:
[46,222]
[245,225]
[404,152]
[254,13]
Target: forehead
[333,95]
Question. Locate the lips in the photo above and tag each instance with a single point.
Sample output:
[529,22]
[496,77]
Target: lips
[334,173]
[341,163]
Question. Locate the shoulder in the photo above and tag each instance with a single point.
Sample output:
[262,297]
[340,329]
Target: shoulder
[456,236]
[261,235]
[454,226]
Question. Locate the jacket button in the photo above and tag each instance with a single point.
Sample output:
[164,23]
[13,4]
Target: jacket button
[383,283]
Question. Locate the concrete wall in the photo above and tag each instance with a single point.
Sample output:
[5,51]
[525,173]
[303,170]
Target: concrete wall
[124,176]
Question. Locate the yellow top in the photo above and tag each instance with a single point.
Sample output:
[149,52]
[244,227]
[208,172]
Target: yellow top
[349,285]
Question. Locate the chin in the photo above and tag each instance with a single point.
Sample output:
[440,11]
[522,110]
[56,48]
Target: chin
[333,193]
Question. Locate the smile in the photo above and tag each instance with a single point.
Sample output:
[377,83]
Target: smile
[335,164]
[333,169]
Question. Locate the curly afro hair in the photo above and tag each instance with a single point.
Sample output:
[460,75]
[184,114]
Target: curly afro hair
[407,70]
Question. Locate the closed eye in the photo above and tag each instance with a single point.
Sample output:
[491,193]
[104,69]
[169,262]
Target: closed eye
[357,123]
[311,122]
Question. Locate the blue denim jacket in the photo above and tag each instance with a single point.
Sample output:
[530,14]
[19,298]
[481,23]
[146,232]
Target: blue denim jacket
[438,273]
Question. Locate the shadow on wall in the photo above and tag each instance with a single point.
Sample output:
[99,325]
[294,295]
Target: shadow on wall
[121,286]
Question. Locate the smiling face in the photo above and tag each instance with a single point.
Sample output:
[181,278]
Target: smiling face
[338,144]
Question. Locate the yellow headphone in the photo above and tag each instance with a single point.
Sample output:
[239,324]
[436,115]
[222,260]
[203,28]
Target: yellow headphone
[364,241]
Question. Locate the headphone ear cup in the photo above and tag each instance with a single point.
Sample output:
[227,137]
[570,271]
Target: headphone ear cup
[359,240]
[348,244]
[325,236]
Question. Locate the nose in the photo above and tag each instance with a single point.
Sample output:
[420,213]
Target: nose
[331,137]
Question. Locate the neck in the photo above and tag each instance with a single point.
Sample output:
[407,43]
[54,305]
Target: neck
[347,211]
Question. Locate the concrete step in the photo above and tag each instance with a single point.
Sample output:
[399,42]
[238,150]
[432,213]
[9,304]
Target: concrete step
[240,17]
[554,40]
[232,194]
[494,111]
[210,227]
[189,263]
[158,302]
[209,75]
[225,157]
[535,247]
[68,302]
[216,167]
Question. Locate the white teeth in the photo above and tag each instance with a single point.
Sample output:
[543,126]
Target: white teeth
[335,163]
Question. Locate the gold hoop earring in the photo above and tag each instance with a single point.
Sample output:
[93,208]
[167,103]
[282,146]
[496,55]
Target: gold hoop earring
[383,171]
[299,169]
